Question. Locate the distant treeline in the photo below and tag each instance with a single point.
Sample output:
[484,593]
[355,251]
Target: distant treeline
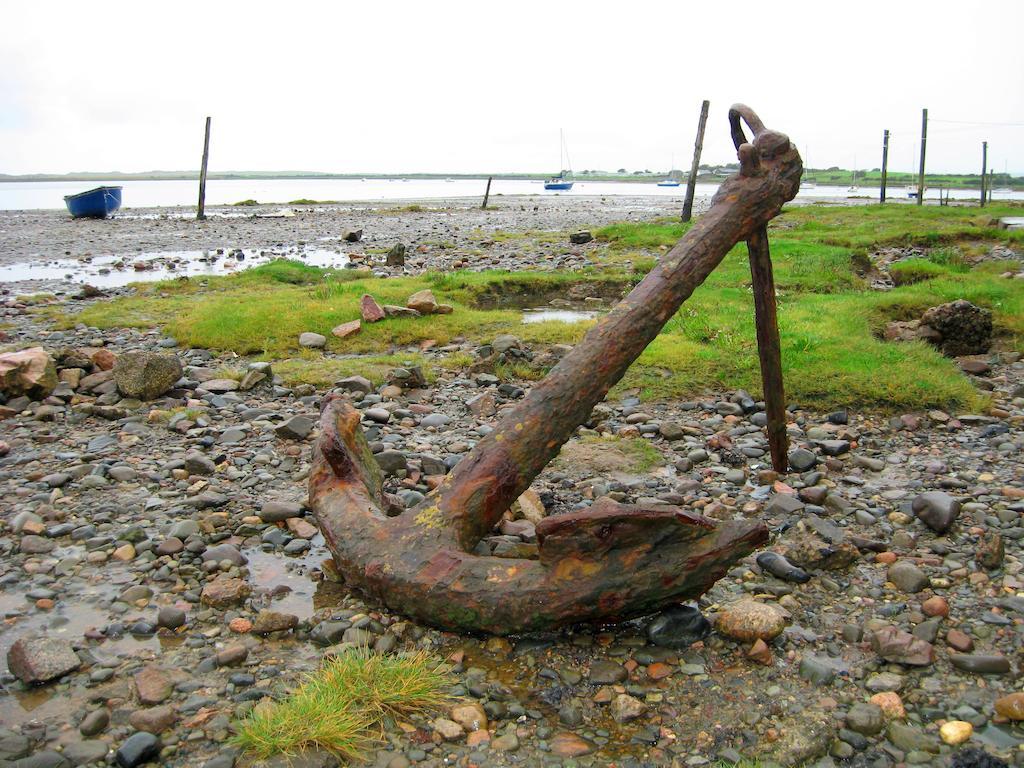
[707,173]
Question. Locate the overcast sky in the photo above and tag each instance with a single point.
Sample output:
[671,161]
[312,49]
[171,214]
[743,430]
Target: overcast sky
[485,86]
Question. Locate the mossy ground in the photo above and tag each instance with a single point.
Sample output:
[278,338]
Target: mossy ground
[829,320]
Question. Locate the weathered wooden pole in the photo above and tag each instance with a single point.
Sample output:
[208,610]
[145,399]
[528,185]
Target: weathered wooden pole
[885,163]
[984,165]
[769,350]
[487,193]
[924,144]
[201,211]
[691,183]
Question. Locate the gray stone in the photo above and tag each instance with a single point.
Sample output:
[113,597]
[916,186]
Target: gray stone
[800,459]
[170,617]
[85,752]
[817,670]
[391,461]
[907,576]
[909,738]
[146,375]
[936,509]
[312,340]
[95,722]
[396,255]
[223,552]
[139,748]
[278,511]
[296,428]
[41,659]
[865,718]
[355,384]
[783,503]
[606,672]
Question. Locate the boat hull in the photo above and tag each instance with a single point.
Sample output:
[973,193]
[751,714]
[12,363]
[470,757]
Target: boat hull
[94,203]
[668,183]
[558,185]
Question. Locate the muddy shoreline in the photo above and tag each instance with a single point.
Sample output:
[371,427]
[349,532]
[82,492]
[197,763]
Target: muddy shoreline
[40,235]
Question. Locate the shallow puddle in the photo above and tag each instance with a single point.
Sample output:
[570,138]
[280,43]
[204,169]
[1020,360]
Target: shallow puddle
[290,580]
[118,271]
[545,314]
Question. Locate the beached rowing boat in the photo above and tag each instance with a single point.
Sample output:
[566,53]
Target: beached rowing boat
[94,203]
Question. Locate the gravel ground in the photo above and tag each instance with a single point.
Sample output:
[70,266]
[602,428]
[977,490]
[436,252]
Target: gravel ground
[160,566]
[34,235]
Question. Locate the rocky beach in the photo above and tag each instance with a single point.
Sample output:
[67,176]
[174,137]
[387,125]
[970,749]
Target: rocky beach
[162,574]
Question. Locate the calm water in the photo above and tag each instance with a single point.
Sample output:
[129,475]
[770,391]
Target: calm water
[117,271]
[148,194]
[544,314]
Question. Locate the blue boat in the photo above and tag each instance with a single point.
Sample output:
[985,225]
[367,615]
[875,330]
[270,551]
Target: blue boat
[668,183]
[558,183]
[94,203]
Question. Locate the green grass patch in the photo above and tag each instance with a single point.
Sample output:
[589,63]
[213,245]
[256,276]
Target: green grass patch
[247,202]
[829,320]
[342,707]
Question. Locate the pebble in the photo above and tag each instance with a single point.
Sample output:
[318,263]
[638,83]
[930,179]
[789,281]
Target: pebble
[749,620]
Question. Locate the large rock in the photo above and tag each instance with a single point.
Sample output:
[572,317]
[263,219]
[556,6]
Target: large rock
[146,375]
[224,592]
[351,328]
[396,256]
[370,310]
[423,302]
[936,509]
[907,576]
[312,340]
[965,329]
[901,647]
[1011,706]
[153,685]
[29,372]
[678,627]
[41,659]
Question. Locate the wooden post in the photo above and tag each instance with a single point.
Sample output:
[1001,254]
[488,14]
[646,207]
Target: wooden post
[691,183]
[984,165]
[201,213]
[924,143]
[885,162]
[769,350]
[487,193]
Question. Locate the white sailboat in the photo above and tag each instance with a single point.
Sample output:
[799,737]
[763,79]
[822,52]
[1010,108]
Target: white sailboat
[807,183]
[563,181]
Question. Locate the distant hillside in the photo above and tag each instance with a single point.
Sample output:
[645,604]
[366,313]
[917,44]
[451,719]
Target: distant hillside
[708,173]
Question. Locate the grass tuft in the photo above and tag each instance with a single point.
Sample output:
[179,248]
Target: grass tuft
[342,707]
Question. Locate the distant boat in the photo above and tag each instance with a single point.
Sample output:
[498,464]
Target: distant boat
[670,180]
[94,203]
[561,183]
[807,183]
